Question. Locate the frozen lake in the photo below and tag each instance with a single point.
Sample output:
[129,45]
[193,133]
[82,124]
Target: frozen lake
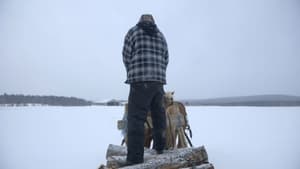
[77,137]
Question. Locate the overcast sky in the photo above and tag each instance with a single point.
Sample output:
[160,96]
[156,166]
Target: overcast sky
[217,48]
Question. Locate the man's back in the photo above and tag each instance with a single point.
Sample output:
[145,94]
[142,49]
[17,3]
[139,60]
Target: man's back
[145,54]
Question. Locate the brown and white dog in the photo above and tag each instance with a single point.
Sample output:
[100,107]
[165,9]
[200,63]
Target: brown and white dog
[177,122]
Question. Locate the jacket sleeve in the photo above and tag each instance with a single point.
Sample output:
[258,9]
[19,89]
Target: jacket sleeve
[166,54]
[127,51]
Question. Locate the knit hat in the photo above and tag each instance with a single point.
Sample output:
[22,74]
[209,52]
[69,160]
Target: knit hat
[147,18]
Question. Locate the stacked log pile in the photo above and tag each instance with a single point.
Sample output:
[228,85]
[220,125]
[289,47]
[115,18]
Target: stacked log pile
[183,158]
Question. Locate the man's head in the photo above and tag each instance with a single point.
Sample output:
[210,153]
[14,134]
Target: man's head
[147,18]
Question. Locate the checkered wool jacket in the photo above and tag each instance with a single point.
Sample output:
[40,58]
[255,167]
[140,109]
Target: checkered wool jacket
[145,57]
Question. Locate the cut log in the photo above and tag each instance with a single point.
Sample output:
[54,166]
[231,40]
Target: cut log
[203,166]
[170,159]
[115,150]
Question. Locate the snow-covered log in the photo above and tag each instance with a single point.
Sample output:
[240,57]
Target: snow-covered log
[202,166]
[115,150]
[170,159]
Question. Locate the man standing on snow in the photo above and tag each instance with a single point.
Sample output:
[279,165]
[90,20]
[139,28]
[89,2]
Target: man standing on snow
[145,56]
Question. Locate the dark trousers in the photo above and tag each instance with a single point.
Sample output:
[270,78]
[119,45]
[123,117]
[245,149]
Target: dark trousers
[145,97]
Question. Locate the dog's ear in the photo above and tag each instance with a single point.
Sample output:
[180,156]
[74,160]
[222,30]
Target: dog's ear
[173,92]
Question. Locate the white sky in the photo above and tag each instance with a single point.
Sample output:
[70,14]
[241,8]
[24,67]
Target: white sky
[217,48]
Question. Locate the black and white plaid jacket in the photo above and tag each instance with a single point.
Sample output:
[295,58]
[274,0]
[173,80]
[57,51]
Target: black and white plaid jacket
[145,57]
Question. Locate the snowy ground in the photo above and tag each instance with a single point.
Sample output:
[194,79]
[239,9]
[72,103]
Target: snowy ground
[77,137]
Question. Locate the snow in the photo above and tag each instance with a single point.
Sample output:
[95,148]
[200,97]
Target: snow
[48,137]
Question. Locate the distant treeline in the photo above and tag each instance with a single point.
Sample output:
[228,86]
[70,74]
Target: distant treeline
[23,100]
[255,100]
[253,103]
